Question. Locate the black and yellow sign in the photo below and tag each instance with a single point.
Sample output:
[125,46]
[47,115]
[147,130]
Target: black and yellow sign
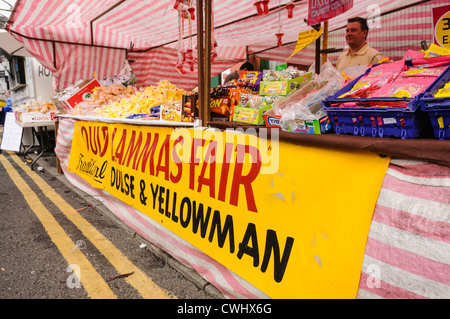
[291,220]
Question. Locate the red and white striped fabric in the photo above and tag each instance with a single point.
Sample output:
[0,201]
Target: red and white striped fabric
[148,24]
[407,253]
[152,66]
[408,249]
[89,61]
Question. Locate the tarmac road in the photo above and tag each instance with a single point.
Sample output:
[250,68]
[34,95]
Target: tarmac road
[58,243]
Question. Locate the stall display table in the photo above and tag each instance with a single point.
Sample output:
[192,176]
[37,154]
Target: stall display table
[41,138]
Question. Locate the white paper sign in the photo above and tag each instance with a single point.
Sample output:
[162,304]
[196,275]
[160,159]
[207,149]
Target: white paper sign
[12,134]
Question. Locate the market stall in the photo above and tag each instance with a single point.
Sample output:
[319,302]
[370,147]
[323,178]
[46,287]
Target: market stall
[295,215]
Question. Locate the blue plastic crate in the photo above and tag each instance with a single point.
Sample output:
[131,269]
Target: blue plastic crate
[401,122]
[374,123]
[438,109]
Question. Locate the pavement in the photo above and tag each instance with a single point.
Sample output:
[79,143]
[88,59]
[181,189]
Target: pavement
[48,163]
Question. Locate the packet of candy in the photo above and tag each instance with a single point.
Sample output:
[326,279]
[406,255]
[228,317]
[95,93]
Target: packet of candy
[366,86]
[408,88]
[410,55]
[420,71]
[244,99]
[435,51]
[251,78]
[378,76]
[235,93]
[391,69]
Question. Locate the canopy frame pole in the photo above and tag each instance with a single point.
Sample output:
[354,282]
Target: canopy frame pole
[66,42]
[204,59]
[101,15]
[317,57]
[207,63]
[12,17]
[54,55]
[200,58]
[325,43]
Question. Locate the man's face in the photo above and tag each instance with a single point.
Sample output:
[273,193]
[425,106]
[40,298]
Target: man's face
[354,36]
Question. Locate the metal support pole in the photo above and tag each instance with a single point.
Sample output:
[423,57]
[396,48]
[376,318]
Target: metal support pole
[54,55]
[318,61]
[325,42]
[207,63]
[200,61]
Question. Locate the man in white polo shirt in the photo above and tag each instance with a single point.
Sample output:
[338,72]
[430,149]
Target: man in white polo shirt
[359,52]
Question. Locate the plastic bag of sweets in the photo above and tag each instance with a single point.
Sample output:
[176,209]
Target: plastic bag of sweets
[410,55]
[391,69]
[251,101]
[366,87]
[290,73]
[271,75]
[234,95]
[422,72]
[408,88]
[378,76]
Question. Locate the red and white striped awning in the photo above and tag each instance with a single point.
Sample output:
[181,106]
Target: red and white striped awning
[75,39]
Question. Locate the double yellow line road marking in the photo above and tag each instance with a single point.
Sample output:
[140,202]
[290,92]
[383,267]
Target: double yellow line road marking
[92,281]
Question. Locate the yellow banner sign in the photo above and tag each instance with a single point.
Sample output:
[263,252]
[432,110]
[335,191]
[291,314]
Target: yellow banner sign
[292,220]
[305,38]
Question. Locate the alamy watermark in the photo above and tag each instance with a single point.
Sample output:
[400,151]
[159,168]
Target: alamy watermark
[239,145]
[374,18]
[373,280]
[74,279]
[73,16]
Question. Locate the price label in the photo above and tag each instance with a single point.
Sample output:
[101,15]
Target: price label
[441,17]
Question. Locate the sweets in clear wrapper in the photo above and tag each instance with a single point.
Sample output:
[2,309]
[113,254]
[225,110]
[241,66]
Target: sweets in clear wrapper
[143,100]
[37,106]
[282,75]
[171,111]
[119,101]
[106,95]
